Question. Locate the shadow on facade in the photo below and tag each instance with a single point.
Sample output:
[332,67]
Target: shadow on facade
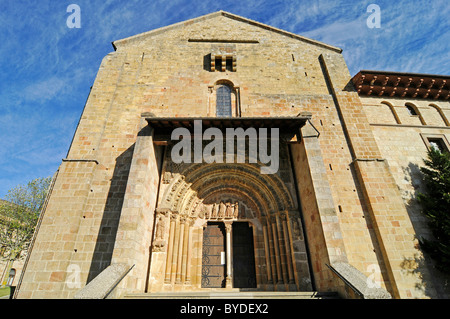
[104,245]
[419,264]
[350,87]
[207,62]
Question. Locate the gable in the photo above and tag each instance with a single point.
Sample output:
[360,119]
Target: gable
[220,27]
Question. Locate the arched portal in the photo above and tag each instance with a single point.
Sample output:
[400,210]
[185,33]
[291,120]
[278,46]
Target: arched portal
[211,216]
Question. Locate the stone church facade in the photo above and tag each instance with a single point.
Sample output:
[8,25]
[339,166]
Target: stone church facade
[337,215]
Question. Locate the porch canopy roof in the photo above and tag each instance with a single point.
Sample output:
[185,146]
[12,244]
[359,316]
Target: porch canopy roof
[286,125]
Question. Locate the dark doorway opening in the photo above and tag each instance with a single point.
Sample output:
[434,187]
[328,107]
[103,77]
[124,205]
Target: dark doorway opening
[244,275]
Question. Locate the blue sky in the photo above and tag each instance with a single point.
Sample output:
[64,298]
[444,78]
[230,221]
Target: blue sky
[47,68]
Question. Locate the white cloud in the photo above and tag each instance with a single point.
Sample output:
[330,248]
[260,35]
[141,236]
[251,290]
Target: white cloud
[44,90]
[339,32]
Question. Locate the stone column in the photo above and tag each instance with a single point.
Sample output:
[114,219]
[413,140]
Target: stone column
[185,249]
[180,250]
[277,250]
[267,255]
[298,253]
[187,280]
[272,252]
[176,243]
[281,248]
[287,248]
[173,218]
[229,279]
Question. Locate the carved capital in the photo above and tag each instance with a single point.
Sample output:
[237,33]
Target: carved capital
[162,211]
[174,216]
[272,219]
[228,227]
[159,245]
[167,177]
[183,219]
[293,214]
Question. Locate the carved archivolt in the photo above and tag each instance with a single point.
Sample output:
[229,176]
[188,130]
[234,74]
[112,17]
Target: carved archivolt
[217,192]
[188,189]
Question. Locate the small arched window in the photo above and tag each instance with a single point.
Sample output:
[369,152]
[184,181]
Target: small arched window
[439,110]
[414,111]
[223,101]
[394,113]
[411,110]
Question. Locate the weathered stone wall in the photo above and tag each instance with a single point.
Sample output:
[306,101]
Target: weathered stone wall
[99,210]
[404,148]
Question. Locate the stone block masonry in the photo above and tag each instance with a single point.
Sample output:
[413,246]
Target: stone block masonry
[334,200]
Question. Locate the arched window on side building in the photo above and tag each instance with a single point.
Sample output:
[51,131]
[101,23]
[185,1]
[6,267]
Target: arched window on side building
[414,111]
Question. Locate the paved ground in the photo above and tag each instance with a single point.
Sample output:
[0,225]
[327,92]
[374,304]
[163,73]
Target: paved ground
[235,295]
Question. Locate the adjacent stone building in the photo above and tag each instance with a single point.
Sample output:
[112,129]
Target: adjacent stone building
[337,214]
[9,270]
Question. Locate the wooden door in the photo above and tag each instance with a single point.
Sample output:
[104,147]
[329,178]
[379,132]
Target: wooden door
[213,257]
[244,275]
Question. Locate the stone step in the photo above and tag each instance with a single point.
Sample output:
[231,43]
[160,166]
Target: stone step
[235,295]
